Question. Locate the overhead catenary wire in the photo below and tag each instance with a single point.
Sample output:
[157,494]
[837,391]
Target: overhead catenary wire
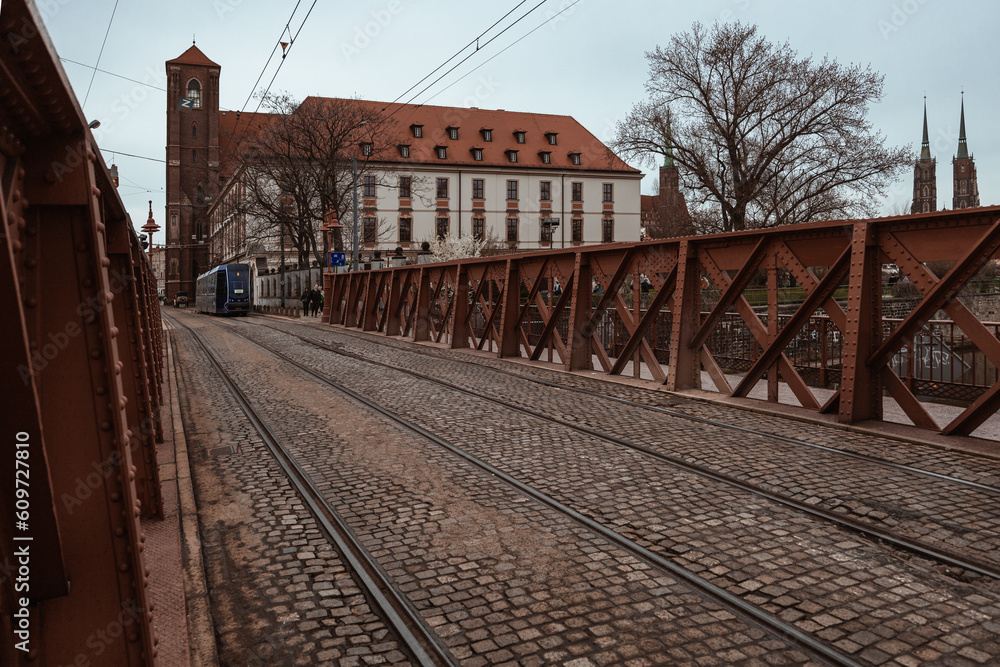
[101,53]
[498,53]
[459,63]
[280,64]
[104,71]
[457,53]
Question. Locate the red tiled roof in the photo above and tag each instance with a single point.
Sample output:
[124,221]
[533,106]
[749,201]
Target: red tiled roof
[571,137]
[236,127]
[193,56]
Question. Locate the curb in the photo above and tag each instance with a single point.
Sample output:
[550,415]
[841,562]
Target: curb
[201,631]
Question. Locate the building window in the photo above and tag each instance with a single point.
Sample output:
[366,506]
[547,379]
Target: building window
[545,190]
[404,151]
[551,136]
[442,152]
[453,133]
[366,148]
[194,130]
[512,156]
[608,230]
[477,154]
[404,187]
[511,189]
[487,135]
[927,207]
[478,188]
[194,93]
[194,156]
[512,230]
[578,192]
[418,130]
[442,228]
[546,231]
[479,228]
[578,230]
[442,188]
[574,158]
[369,229]
[546,157]
[519,137]
[609,192]
[368,189]
[405,230]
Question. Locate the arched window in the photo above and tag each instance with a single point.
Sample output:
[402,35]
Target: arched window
[194,155]
[194,130]
[201,194]
[194,93]
[926,191]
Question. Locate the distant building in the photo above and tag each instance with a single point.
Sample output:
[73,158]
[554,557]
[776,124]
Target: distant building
[192,165]
[532,181]
[965,185]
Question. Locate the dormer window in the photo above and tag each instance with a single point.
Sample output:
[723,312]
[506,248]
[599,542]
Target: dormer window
[487,134]
[546,157]
[418,130]
[574,158]
[477,154]
[512,156]
[453,133]
[551,136]
[442,152]
[404,150]
[366,148]
[519,137]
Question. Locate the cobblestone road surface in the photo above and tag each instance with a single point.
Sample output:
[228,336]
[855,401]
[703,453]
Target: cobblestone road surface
[506,580]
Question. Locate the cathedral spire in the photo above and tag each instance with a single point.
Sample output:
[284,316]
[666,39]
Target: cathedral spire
[925,147]
[668,157]
[963,148]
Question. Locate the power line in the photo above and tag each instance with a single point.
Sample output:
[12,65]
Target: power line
[104,71]
[87,96]
[568,7]
[459,63]
[270,57]
[457,53]
[141,157]
[286,52]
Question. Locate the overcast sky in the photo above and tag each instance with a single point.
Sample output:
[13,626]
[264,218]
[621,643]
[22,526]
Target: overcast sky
[587,62]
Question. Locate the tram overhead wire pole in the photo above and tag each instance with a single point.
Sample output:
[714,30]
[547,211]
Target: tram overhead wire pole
[354,190]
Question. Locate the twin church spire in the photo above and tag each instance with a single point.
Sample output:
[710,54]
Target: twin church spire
[965,185]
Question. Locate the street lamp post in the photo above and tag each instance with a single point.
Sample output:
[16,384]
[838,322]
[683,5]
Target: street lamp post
[354,188]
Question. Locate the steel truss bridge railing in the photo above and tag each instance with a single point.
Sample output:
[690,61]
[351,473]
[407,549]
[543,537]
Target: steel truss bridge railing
[558,306]
[81,356]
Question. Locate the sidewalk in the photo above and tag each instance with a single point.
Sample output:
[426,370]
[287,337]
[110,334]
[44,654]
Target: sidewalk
[172,550]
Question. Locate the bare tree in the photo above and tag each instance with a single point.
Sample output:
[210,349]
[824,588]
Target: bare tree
[762,137]
[297,169]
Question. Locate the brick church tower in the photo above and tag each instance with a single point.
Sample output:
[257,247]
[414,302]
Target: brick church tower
[966,192]
[925,176]
[675,220]
[192,165]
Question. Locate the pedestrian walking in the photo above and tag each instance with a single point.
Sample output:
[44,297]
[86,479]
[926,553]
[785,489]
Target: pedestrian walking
[316,299]
[305,298]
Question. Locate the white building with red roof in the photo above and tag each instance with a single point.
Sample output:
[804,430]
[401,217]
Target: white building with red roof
[530,181]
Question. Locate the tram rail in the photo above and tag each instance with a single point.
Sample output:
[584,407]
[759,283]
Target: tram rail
[951,559]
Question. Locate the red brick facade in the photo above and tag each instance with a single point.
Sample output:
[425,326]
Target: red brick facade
[192,166]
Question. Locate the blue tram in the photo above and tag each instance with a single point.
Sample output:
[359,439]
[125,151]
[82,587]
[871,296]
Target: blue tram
[225,290]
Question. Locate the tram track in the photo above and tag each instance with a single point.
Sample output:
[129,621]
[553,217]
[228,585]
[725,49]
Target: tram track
[892,465]
[425,645]
[962,564]
[751,613]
